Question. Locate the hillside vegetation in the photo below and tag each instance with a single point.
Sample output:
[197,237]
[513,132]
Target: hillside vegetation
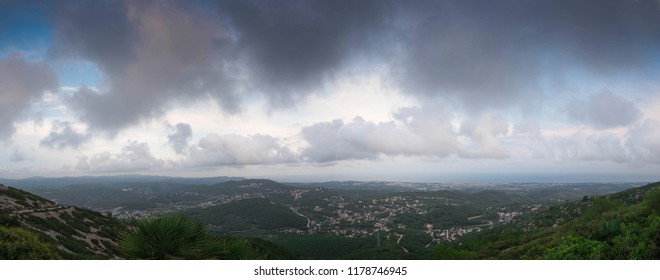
[32,227]
[75,232]
[624,225]
[262,219]
[177,236]
[248,214]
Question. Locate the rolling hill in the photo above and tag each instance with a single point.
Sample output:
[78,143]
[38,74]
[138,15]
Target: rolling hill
[248,214]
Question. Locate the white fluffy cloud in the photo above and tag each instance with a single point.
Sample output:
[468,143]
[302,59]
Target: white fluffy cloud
[237,150]
[134,156]
[414,131]
[644,142]
[410,133]
[483,134]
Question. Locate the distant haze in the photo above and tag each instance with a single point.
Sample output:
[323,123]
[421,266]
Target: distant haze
[433,91]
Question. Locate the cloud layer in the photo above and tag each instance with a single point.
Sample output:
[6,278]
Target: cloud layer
[21,83]
[63,135]
[151,54]
[644,141]
[481,54]
[505,81]
[134,156]
[604,110]
[237,150]
[179,136]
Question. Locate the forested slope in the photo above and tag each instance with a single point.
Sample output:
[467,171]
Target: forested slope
[624,225]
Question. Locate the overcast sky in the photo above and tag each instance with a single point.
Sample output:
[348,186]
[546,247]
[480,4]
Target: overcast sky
[332,90]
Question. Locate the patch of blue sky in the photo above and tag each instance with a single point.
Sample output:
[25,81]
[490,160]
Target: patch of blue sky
[564,77]
[25,31]
[77,72]
[653,68]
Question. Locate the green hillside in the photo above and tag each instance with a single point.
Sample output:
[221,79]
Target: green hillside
[262,219]
[145,195]
[248,214]
[624,225]
[75,233]
[321,247]
[32,227]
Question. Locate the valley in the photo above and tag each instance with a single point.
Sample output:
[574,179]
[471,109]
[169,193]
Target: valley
[366,219]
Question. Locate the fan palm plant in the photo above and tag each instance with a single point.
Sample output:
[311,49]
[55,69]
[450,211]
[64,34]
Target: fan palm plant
[173,236]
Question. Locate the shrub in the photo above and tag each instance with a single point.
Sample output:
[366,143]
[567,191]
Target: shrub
[20,244]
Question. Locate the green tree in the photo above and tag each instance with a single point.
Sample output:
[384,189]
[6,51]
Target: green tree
[446,252]
[577,248]
[20,244]
[639,240]
[652,201]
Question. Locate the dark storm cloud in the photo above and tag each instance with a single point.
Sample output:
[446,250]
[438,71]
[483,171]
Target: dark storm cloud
[154,53]
[493,53]
[478,53]
[21,83]
[151,54]
[292,47]
[63,135]
[604,110]
[99,31]
[179,136]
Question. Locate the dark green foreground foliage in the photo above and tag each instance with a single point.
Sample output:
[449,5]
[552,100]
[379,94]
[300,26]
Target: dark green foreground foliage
[624,225]
[321,246]
[177,236]
[20,244]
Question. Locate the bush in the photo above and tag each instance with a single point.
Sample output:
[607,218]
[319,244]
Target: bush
[165,237]
[652,201]
[442,252]
[577,248]
[20,244]
[9,221]
[176,236]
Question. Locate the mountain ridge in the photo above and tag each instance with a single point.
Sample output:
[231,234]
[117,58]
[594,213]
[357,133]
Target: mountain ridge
[40,181]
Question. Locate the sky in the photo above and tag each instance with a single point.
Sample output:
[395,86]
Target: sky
[438,91]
